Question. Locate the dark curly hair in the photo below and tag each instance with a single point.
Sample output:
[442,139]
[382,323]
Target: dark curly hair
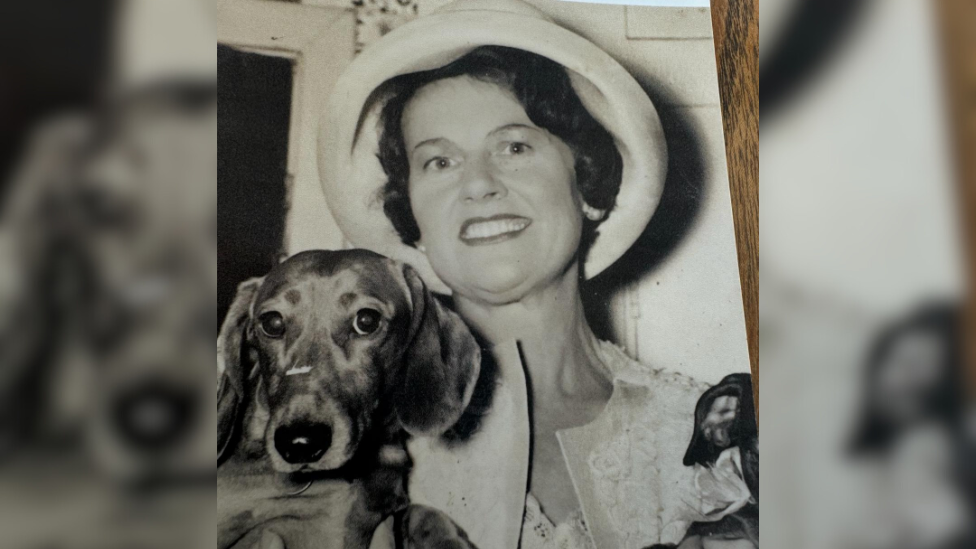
[544,90]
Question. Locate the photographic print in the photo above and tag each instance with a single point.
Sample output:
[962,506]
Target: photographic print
[477,279]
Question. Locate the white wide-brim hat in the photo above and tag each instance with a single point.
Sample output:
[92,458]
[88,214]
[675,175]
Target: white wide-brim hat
[350,172]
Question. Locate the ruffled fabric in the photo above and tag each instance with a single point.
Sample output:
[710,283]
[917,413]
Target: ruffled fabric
[722,487]
[627,465]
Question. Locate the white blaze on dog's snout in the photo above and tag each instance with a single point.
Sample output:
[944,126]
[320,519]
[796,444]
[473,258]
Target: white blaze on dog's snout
[298,371]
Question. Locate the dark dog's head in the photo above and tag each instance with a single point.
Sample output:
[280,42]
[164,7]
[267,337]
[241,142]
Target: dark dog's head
[330,344]
[725,417]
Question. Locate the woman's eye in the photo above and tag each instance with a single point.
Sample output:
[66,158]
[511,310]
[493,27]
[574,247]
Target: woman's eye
[438,163]
[273,324]
[518,148]
[366,322]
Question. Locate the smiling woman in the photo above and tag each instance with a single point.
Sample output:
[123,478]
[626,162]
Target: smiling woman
[519,160]
[525,146]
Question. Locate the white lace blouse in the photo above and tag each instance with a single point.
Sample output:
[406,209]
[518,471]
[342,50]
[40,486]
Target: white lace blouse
[538,532]
[626,467]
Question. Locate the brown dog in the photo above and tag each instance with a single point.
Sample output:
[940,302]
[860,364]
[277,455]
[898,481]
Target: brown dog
[327,364]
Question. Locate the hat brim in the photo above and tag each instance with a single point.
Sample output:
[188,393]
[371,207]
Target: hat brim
[352,177]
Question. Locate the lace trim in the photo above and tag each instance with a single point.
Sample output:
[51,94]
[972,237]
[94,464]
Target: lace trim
[538,532]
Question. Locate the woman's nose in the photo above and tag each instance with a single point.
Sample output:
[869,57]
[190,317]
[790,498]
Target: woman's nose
[480,183]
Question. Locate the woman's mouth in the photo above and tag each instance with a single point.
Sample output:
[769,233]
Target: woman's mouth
[488,230]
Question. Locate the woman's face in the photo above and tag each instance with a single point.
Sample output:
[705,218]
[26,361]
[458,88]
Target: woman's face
[494,195]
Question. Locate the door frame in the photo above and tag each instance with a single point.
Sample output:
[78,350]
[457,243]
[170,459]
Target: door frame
[320,41]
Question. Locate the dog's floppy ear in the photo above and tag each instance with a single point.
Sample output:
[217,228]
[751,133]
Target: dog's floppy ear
[440,366]
[232,377]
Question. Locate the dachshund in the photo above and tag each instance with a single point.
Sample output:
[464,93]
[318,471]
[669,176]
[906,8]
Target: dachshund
[327,365]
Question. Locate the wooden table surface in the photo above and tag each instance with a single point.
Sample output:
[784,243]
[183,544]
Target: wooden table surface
[958,25]
[736,27]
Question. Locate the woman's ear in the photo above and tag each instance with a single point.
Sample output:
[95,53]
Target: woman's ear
[440,366]
[231,391]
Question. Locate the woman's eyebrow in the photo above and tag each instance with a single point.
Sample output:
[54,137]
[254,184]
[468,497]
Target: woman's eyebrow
[431,141]
[515,126]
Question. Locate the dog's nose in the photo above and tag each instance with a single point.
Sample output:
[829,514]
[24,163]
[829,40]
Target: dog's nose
[154,416]
[302,442]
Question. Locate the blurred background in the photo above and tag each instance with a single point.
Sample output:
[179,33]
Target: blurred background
[868,426]
[108,271]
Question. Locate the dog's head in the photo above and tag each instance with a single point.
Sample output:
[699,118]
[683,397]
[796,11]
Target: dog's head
[330,344]
[725,417]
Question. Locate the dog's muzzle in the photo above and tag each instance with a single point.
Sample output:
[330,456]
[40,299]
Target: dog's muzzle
[154,416]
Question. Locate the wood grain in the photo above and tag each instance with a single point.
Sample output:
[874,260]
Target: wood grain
[958,25]
[736,27]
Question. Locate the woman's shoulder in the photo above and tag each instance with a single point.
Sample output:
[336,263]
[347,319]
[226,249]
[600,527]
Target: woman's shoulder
[632,455]
[652,397]
[623,368]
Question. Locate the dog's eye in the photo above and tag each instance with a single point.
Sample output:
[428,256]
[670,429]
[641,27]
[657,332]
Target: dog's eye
[366,321]
[273,324]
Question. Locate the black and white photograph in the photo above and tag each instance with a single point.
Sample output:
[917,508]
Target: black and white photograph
[478,282]
[485,274]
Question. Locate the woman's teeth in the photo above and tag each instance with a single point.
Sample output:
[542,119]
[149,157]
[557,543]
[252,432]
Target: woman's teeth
[488,229]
